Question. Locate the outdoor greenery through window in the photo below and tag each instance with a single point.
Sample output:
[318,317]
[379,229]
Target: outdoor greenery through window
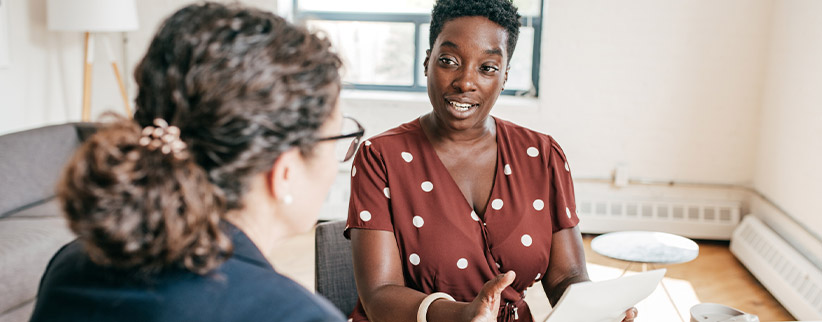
[383,43]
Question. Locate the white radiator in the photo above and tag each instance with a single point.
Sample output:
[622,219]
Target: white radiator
[694,219]
[792,279]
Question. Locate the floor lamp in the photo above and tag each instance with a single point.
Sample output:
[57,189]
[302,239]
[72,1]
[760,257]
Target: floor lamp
[90,17]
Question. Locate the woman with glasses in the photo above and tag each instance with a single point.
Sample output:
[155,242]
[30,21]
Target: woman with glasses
[231,150]
[455,214]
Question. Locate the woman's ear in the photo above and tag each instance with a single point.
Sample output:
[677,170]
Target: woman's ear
[281,177]
[505,80]
[425,62]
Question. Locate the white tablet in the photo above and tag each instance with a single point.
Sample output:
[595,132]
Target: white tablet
[604,301]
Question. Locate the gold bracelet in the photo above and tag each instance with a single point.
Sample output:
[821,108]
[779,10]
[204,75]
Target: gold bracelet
[426,302]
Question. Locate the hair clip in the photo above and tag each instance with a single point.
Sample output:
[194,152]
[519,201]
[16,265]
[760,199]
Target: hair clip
[164,137]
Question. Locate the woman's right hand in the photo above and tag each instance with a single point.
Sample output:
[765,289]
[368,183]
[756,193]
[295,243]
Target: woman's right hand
[485,307]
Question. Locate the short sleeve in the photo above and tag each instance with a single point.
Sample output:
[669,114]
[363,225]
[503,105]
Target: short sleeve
[369,205]
[562,195]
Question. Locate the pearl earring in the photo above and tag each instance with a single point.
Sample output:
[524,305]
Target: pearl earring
[288,199]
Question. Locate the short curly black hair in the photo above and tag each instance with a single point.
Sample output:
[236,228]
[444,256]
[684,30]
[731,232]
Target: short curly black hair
[501,12]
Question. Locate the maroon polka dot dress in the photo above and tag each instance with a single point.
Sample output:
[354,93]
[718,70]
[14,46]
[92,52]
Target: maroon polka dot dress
[399,184]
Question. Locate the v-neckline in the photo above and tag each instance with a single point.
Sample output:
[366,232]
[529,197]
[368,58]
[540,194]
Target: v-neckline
[453,182]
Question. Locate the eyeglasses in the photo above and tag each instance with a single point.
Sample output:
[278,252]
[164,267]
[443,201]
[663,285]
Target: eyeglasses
[348,141]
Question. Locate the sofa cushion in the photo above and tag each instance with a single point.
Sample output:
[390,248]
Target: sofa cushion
[47,208]
[18,314]
[31,163]
[27,243]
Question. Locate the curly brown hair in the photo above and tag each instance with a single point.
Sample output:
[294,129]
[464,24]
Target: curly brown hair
[243,86]
[501,12]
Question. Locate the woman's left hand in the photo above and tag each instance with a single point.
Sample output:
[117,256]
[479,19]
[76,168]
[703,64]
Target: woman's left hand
[630,315]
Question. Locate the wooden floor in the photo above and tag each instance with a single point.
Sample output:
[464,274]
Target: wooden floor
[714,276]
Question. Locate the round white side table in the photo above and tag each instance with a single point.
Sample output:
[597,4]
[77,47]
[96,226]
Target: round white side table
[647,248]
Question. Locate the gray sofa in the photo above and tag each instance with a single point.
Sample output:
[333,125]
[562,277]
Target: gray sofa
[32,228]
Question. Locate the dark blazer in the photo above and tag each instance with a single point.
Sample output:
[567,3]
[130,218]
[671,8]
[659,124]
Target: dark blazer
[244,288]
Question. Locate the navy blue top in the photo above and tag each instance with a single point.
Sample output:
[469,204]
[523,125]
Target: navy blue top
[244,288]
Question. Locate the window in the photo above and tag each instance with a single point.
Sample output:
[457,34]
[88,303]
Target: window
[382,43]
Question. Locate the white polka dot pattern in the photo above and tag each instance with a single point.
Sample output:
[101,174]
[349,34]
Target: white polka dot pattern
[526,240]
[407,156]
[539,204]
[496,204]
[427,186]
[365,215]
[418,222]
[538,176]
[414,259]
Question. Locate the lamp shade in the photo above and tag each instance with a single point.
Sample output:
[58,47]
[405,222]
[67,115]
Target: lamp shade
[92,15]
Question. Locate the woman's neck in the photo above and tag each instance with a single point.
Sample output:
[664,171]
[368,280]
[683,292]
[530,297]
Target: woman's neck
[259,220]
[439,132]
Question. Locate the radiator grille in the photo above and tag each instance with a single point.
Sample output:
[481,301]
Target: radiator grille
[710,213]
[695,219]
[792,279]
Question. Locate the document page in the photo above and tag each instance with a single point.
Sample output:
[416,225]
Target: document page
[604,301]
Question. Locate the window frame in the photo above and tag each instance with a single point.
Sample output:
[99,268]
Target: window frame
[419,19]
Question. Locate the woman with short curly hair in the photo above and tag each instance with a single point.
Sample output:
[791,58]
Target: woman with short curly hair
[230,151]
[453,215]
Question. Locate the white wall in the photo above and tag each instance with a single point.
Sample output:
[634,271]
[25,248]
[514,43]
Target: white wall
[43,84]
[789,159]
[671,88]
[32,71]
